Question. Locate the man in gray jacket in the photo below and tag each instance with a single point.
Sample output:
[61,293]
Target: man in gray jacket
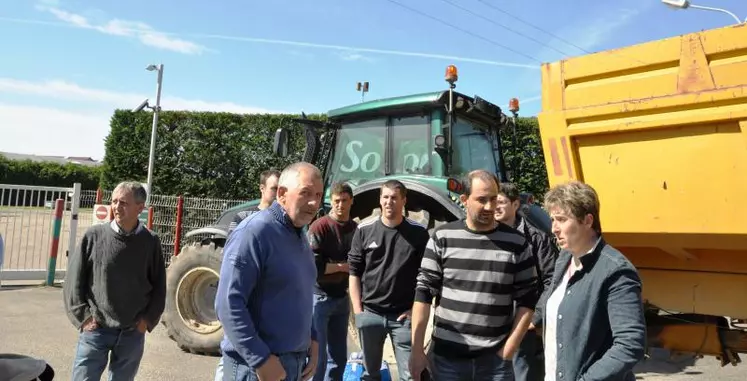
[528,361]
[115,290]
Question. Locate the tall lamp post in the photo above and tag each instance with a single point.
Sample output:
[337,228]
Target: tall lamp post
[156,110]
[684,4]
[363,88]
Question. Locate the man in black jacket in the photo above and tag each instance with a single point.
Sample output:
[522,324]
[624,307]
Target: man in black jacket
[268,189]
[528,360]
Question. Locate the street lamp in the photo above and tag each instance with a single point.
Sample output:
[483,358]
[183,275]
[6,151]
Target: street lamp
[156,110]
[363,88]
[684,4]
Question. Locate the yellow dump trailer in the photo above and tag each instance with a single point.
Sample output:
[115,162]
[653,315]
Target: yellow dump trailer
[660,131]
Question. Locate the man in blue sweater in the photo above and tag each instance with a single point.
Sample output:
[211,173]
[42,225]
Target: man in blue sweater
[264,298]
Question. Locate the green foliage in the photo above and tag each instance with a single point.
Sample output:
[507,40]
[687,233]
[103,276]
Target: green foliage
[220,155]
[27,172]
[200,154]
[523,154]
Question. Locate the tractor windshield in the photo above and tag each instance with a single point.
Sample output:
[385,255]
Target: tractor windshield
[472,148]
[363,150]
[374,148]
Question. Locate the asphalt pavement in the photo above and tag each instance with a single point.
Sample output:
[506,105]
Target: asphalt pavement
[33,322]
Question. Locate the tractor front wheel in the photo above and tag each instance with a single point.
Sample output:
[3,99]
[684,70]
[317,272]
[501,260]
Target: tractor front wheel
[191,285]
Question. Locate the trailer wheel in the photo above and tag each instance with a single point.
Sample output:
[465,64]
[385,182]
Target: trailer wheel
[191,285]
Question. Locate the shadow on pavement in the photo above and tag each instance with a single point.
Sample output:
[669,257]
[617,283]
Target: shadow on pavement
[663,362]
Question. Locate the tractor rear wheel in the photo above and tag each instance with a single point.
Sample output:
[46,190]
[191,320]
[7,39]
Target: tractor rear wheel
[191,285]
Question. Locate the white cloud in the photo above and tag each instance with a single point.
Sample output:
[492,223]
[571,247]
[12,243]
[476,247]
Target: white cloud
[600,30]
[130,29]
[588,33]
[356,49]
[533,99]
[48,131]
[70,91]
[301,44]
[352,55]
[80,131]
[594,30]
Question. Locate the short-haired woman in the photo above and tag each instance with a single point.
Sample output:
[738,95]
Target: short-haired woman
[592,315]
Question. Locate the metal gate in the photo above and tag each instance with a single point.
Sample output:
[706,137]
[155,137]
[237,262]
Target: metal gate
[27,219]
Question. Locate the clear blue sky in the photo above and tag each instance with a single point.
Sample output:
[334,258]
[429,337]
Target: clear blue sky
[68,64]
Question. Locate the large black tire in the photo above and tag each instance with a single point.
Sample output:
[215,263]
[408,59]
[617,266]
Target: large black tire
[191,284]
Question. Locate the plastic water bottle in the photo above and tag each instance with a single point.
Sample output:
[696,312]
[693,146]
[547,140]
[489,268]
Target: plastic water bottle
[355,368]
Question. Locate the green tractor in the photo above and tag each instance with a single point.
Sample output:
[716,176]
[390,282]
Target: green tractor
[426,141]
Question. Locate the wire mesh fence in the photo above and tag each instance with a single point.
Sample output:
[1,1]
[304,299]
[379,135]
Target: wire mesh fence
[196,213]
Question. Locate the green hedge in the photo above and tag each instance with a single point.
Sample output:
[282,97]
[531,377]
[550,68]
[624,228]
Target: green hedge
[220,155]
[200,154]
[27,172]
[525,158]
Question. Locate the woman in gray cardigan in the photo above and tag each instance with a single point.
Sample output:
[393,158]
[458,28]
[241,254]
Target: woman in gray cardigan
[592,315]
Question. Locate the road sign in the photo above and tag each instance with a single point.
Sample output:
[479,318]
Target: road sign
[101,214]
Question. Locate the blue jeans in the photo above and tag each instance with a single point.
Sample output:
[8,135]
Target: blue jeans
[488,367]
[331,325]
[372,331]
[95,348]
[238,370]
[529,361]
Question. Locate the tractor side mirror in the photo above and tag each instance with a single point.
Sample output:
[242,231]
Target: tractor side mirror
[280,144]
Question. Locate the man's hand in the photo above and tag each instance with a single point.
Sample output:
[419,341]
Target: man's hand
[418,362]
[538,332]
[404,315]
[507,351]
[142,326]
[310,368]
[343,267]
[89,325]
[271,370]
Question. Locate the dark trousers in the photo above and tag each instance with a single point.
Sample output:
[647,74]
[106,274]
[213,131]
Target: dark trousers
[372,331]
[331,324]
[488,367]
[529,360]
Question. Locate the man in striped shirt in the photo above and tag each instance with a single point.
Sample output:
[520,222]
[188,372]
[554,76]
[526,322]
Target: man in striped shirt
[476,268]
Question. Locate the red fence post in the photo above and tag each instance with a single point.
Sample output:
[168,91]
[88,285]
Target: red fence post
[99,195]
[178,233]
[150,218]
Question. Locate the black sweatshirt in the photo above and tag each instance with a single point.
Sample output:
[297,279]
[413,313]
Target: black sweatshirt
[387,261]
[117,278]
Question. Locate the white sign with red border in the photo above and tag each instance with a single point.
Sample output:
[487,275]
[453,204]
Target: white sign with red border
[101,214]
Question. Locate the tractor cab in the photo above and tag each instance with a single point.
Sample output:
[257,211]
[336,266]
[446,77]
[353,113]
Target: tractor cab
[424,140]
